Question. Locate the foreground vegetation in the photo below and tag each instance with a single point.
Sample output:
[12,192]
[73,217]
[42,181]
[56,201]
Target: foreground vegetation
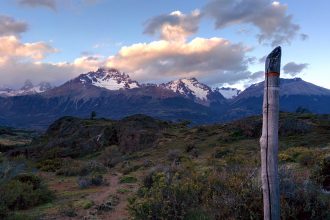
[142,168]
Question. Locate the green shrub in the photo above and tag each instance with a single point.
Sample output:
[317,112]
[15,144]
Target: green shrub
[111,156]
[230,193]
[19,216]
[71,167]
[3,209]
[302,155]
[24,191]
[178,193]
[84,203]
[50,165]
[174,155]
[321,173]
[221,152]
[68,210]
[128,179]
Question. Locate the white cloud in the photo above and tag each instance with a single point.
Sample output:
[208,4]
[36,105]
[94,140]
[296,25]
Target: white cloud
[159,60]
[11,47]
[175,26]
[21,61]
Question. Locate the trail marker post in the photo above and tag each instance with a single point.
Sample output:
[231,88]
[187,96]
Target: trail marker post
[269,138]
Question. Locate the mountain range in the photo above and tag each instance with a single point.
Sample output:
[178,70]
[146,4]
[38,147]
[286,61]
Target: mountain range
[111,93]
[27,89]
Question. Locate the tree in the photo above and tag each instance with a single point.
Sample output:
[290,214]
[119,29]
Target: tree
[269,138]
[93,115]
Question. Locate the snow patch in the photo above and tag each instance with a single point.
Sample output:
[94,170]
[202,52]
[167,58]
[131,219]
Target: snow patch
[228,93]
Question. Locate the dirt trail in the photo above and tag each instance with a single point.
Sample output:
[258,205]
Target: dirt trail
[120,211]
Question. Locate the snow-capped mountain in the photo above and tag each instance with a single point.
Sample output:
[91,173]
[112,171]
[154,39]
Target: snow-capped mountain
[198,92]
[27,89]
[228,92]
[190,88]
[110,79]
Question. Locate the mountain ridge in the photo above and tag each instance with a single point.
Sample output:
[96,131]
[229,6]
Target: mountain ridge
[183,99]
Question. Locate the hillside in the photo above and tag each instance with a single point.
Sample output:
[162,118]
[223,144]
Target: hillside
[145,168]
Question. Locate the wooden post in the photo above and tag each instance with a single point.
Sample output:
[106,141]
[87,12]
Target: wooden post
[269,138]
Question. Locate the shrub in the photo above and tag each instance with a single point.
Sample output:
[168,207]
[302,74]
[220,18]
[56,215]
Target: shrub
[84,203]
[178,193]
[109,204]
[301,155]
[19,216]
[292,126]
[72,167]
[111,156]
[3,209]
[50,165]
[301,199]
[88,181]
[128,179]
[24,191]
[174,155]
[321,173]
[231,193]
[10,169]
[221,152]
[68,210]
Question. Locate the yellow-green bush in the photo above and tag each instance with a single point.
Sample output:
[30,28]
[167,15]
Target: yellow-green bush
[302,155]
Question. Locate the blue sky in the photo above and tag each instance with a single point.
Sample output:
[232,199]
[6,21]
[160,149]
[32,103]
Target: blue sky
[55,40]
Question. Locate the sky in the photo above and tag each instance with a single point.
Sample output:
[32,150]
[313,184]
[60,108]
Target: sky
[220,42]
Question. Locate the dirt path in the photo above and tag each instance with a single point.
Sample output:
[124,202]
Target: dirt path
[120,211]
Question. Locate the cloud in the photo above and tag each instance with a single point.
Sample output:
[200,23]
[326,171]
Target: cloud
[55,4]
[14,72]
[262,59]
[9,26]
[20,61]
[257,75]
[294,69]
[272,20]
[51,4]
[12,48]
[303,36]
[200,58]
[173,26]
[91,2]
[90,62]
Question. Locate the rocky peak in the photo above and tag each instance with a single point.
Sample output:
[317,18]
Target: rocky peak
[44,86]
[27,85]
[108,78]
[189,87]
